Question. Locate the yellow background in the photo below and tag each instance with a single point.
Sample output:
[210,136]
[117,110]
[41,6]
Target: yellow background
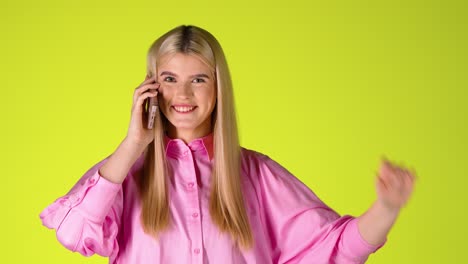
[323,87]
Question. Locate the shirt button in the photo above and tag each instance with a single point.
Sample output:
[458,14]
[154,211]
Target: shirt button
[197,250]
[191,184]
[195,215]
[185,153]
[92,180]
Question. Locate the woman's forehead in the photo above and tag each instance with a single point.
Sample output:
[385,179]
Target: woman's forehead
[184,61]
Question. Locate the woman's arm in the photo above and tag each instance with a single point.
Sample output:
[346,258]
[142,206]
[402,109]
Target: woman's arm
[87,219]
[138,136]
[300,227]
[394,186]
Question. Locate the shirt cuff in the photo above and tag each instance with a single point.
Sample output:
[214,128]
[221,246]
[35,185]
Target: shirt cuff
[100,197]
[356,244]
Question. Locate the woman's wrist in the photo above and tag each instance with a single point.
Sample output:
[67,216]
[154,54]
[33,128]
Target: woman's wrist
[386,208]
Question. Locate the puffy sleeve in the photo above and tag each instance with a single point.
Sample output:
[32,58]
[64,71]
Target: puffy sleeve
[301,227]
[87,218]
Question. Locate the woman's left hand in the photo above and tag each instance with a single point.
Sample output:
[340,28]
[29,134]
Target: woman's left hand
[394,185]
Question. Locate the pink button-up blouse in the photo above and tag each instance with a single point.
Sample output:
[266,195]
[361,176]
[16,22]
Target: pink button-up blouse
[290,223]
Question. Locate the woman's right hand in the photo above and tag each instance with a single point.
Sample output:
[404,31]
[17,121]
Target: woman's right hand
[138,133]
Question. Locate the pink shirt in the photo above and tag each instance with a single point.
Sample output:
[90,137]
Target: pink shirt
[289,222]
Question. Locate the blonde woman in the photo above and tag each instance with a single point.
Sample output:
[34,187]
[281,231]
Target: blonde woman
[186,192]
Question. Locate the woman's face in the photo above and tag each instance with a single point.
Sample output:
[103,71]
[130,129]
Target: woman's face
[187,95]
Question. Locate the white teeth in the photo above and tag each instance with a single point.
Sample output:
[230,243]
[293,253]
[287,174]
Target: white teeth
[184,109]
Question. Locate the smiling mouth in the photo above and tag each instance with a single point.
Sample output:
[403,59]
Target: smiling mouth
[184,109]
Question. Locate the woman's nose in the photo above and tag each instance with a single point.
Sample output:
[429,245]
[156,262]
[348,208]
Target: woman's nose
[184,90]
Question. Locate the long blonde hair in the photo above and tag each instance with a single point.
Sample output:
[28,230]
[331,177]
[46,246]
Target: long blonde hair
[227,207]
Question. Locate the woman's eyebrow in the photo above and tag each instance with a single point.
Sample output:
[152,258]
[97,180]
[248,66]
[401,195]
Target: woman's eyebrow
[201,75]
[195,75]
[167,73]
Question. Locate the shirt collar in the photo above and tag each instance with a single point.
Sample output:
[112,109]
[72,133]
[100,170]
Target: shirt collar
[176,147]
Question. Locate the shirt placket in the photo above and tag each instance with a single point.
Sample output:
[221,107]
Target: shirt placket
[193,209]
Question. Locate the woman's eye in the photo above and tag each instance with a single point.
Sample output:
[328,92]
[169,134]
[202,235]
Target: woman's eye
[198,80]
[169,79]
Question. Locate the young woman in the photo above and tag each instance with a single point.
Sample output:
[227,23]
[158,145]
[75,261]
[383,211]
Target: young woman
[186,192]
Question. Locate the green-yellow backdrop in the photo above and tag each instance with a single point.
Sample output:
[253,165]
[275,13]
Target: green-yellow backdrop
[324,87]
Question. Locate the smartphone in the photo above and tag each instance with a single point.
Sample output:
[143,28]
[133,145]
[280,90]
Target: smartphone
[152,108]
